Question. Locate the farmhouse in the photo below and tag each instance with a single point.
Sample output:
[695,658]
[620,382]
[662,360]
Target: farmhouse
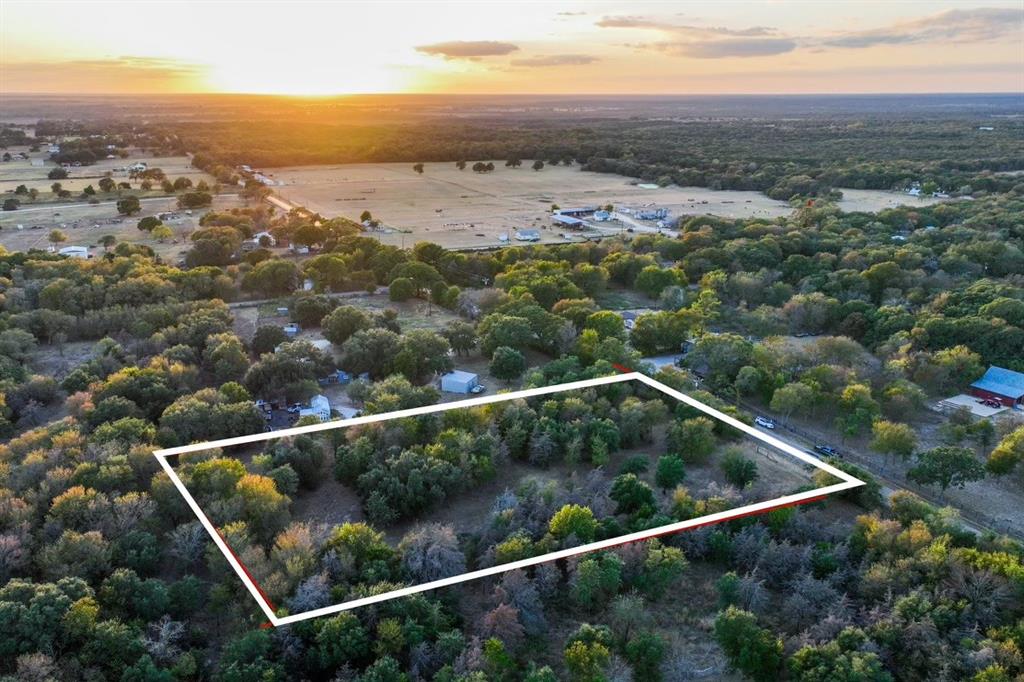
[458,381]
[1002,385]
[528,235]
[319,407]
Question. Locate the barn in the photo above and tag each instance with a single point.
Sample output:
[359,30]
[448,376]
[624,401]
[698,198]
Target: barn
[1002,385]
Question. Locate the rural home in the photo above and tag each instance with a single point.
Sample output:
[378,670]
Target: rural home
[319,407]
[1002,385]
[528,235]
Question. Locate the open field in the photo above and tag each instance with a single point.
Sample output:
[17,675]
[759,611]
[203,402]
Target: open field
[85,223]
[21,172]
[461,208]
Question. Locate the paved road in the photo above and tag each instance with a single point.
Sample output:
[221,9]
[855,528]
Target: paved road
[889,485]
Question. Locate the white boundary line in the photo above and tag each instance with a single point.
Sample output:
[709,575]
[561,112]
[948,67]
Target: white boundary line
[848,482]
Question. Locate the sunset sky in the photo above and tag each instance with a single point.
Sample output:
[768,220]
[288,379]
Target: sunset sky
[511,47]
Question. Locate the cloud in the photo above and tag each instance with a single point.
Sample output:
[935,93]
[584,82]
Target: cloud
[682,29]
[571,14]
[111,75]
[957,25]
[555,60]
[468,49]
[739,47]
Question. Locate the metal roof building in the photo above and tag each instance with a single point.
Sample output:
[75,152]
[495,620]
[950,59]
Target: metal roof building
[1001,384]
[568,221]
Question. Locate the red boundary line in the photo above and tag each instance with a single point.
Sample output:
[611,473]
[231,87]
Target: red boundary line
[625,370]
[244,568]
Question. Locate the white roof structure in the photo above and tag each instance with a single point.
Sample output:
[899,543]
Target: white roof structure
[75,251]
[458,381]
[319,407]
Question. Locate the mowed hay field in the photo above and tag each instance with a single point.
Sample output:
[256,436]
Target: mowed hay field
[461,208]
[22,172]
[84,224]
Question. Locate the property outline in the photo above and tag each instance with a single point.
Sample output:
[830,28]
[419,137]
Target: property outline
[847,482]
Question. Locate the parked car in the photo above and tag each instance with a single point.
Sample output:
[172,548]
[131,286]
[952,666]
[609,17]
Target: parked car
[479,388]
[294,408]
[826,450]
[765,422]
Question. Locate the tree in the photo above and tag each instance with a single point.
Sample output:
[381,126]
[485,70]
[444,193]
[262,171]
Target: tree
[107,184]
[431,552]
[751,649]
[670,471]
[1008,453]
[692,439]
[652,280]
[422,353]
[504,330]
[738,470]
[893,438]
[89,190]
[460,164]
[194,200]
[946,466]
[57,237]
[842,660]
[461,336]
[273,277]
[793,398]
[148,223]
[57,174]
[607,324]
[401,289]
[574,520]
[372,351]
[128,205]
[632,495]
[162,233]
[344,321]
[538,165]
[507,363]
[418,167]
[11,204]
[107,240]
[267,338]
[341,639]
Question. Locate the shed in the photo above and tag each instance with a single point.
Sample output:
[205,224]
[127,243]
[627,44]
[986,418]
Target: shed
[1003,385]
[528,235]
[568,221]
[458,381]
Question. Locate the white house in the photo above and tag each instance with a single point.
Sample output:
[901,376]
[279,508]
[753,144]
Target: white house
[527,235]
[458,381]
[321,345]
[271,241]
[319,407]
[75,252]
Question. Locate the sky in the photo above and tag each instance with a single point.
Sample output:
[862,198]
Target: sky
[492,47]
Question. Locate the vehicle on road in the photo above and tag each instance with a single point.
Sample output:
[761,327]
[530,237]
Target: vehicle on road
[826,450]
[765,422]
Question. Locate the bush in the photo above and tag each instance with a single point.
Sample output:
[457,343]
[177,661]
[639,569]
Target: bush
[739,470]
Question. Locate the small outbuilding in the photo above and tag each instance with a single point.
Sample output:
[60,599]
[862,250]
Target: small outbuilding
[458,381]
[1002,385]
[527,235]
